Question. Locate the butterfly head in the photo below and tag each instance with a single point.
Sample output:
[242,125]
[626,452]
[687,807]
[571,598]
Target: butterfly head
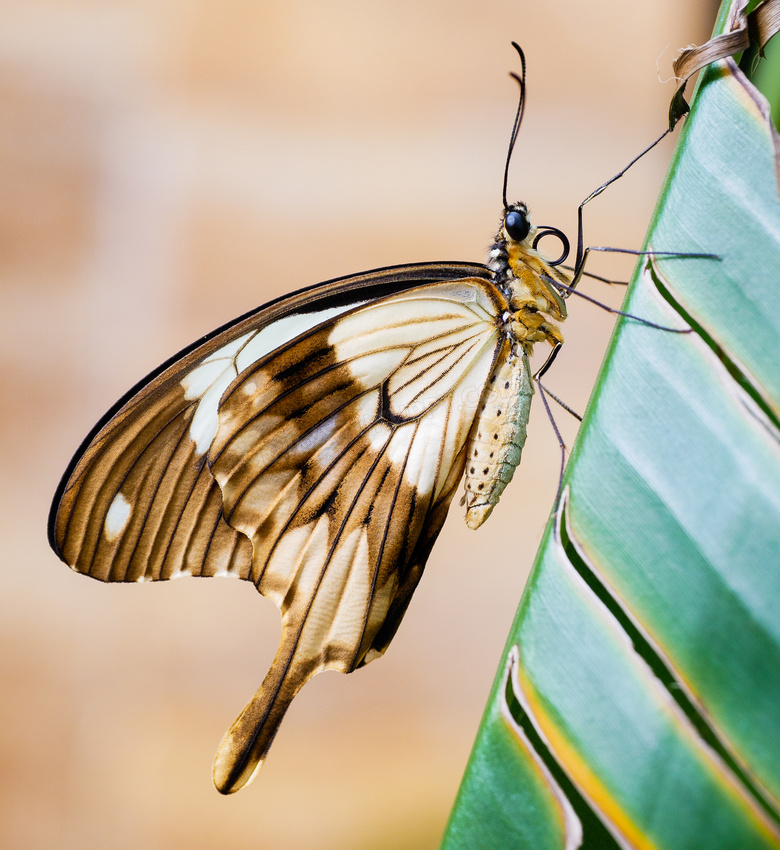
[518,237]
[514,239]
[517,230]
[517,224]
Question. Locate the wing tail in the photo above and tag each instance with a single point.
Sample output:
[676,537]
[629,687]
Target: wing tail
[244,747]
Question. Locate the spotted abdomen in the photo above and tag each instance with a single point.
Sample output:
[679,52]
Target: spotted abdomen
[497,437]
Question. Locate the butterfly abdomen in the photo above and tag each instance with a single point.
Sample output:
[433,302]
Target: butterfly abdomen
[497,438]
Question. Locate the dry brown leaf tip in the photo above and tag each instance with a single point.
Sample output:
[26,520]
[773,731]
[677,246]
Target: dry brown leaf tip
[745,29]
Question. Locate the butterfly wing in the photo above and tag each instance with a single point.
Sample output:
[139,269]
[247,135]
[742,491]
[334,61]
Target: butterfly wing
[142,448]
[313,448]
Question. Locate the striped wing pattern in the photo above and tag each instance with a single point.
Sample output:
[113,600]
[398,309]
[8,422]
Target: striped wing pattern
[146,459]
[314,450]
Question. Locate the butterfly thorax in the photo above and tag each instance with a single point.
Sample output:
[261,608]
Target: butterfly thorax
[527,282]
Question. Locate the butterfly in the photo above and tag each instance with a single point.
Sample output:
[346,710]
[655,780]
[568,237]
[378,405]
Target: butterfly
[313,447]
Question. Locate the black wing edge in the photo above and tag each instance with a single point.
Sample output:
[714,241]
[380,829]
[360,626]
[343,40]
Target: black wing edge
[385,280]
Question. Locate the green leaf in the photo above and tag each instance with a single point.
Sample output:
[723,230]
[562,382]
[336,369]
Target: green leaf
[638,700]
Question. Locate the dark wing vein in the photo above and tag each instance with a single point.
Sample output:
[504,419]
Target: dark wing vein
[427,387]
[112,488]
[337,536]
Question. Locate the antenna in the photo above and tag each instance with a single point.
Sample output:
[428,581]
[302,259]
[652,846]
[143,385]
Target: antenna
[518,116]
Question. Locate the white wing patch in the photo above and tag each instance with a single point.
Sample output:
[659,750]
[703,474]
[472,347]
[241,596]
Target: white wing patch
[284,330]
[347,579]
[213,375]
[396,324]
[431,347]
[116,517]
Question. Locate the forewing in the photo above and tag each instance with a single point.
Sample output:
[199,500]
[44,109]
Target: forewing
[138,501]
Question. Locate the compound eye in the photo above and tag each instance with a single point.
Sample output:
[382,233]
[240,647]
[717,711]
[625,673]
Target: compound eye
[517,225]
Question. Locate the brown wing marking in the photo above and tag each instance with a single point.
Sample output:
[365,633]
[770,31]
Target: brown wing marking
[144,460]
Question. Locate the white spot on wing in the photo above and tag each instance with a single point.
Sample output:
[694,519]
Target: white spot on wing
[205,422]
[116,518]
[207,382]
[297,560]
[369,370]
[208,374]
[347,584]
[398,449]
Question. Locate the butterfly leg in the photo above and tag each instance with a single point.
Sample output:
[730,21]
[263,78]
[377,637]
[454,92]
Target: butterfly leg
[541,371]
[579,270]
[581,250]
[529,326]
[569,290]
[543,395]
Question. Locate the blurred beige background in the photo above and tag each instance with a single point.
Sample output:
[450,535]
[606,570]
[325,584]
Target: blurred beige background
[168,165]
